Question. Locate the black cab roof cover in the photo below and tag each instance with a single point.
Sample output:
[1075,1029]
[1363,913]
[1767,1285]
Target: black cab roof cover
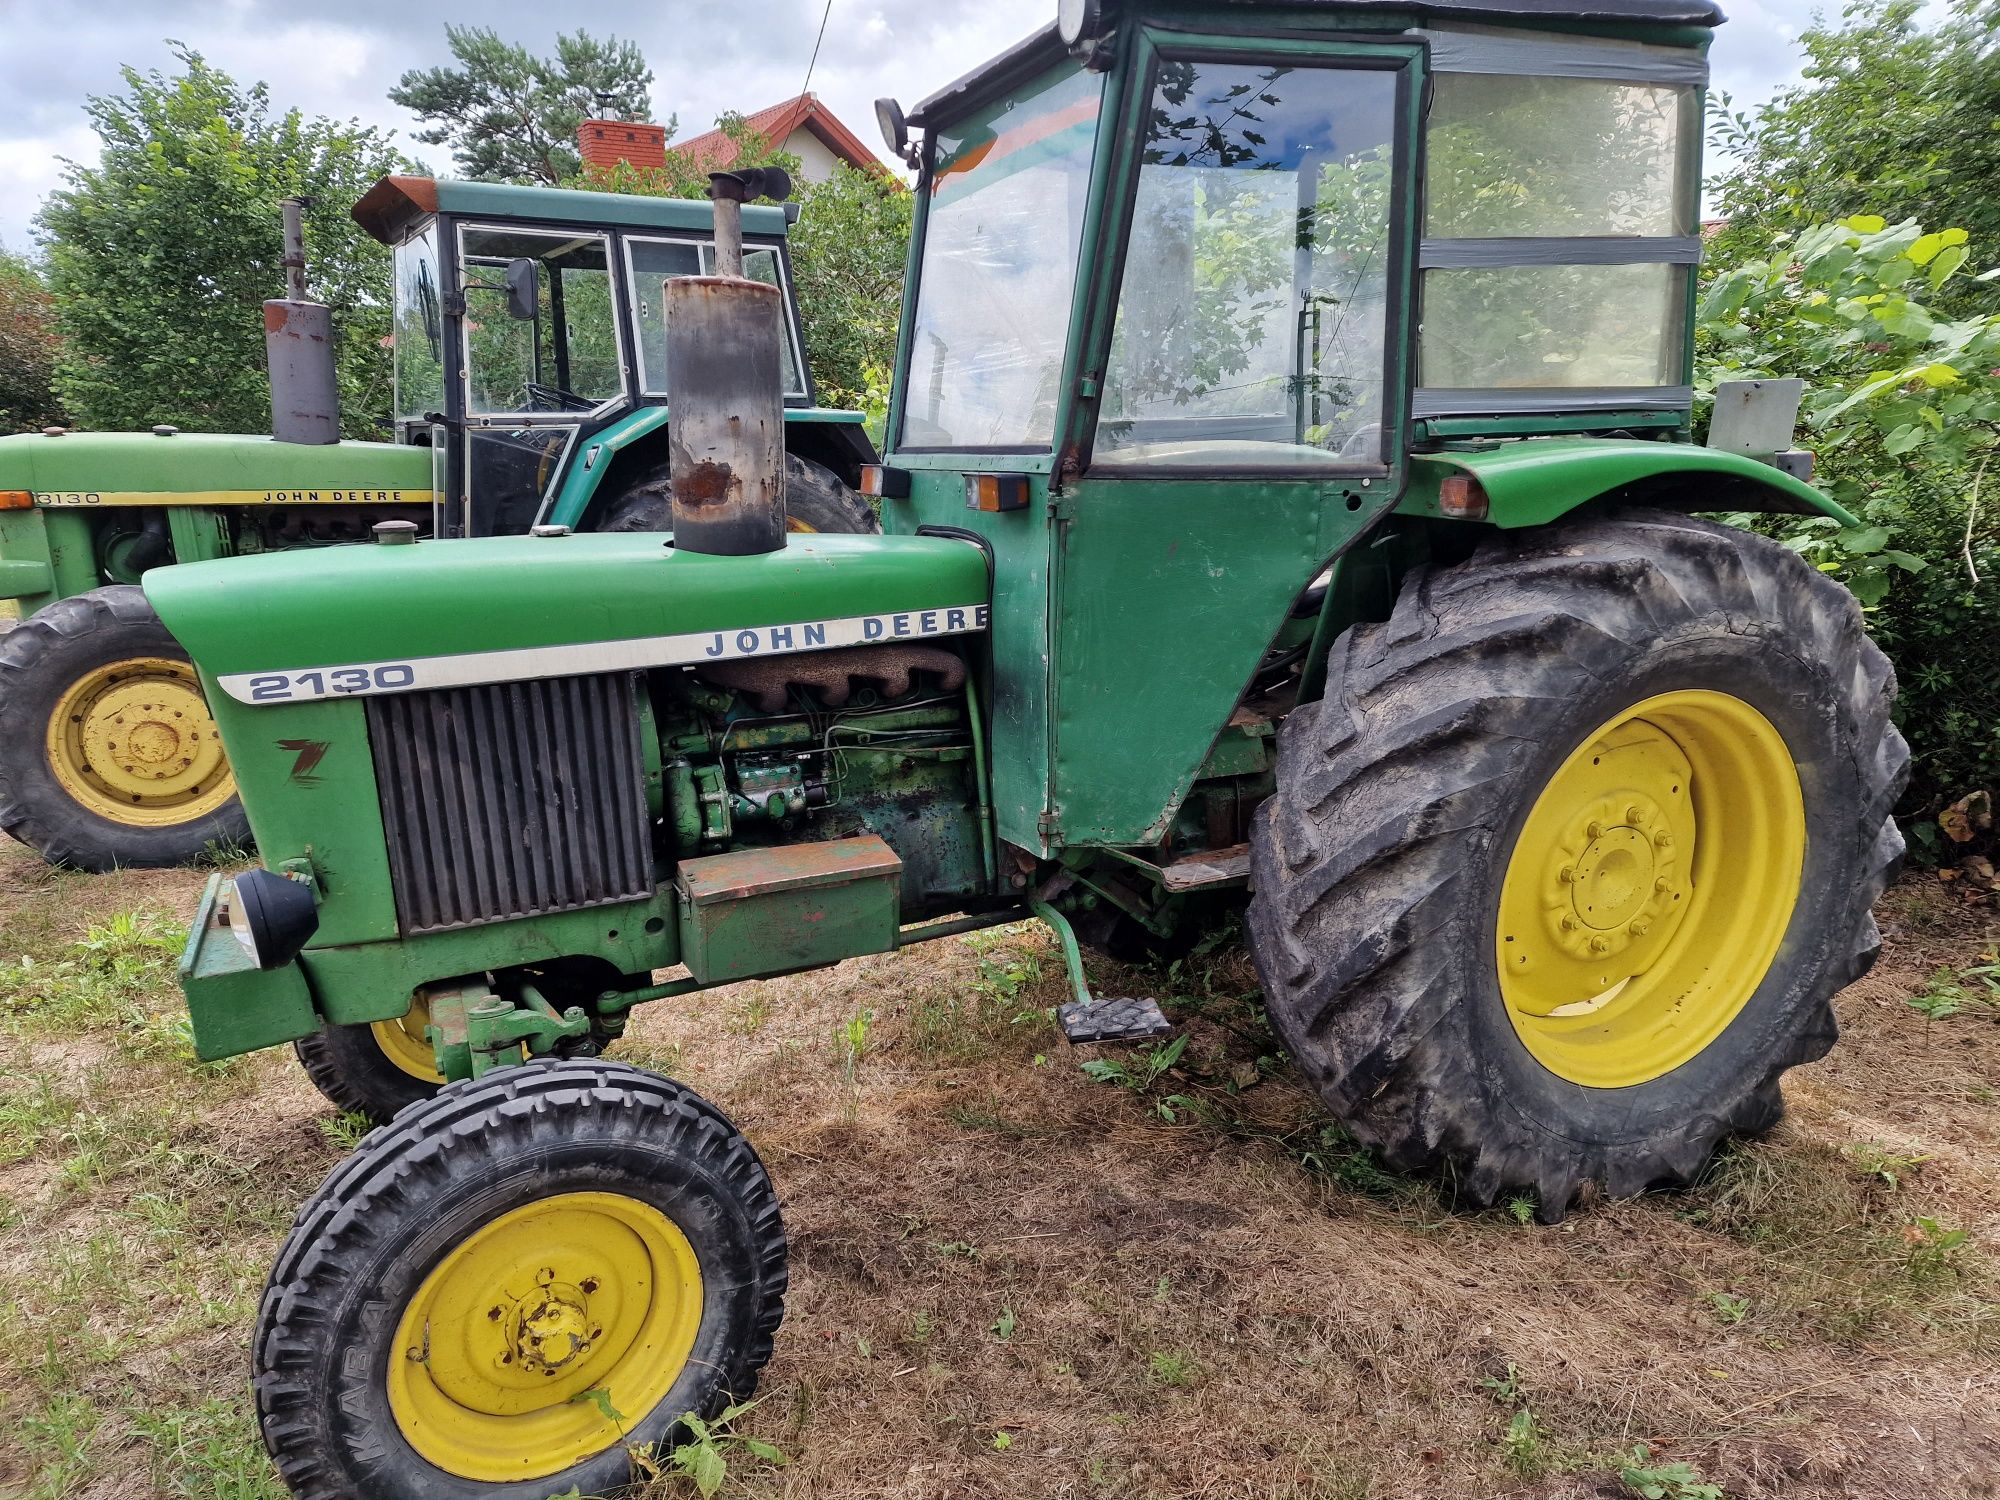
[1044,47]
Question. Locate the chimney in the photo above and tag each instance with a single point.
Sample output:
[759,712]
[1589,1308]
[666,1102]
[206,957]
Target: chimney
[605,143]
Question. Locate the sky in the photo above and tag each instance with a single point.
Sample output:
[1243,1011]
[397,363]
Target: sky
[340,57]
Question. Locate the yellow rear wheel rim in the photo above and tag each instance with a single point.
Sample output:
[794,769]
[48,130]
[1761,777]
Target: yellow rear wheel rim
[1650,888]
[133,742]
[403,1042]
[574,1294]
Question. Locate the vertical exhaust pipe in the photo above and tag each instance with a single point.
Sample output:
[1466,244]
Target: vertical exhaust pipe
[298,348]
[725,384]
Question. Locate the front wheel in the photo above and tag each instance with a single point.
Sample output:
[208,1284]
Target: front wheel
[514,1286]
[108,754]
[375,1068]
[1563,871]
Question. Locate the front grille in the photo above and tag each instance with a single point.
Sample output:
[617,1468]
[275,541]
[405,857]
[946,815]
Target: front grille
[512,799]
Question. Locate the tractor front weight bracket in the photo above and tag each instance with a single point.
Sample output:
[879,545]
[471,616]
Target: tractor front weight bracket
[473,1031]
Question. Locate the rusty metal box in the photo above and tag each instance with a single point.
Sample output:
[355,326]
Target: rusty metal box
[770,911]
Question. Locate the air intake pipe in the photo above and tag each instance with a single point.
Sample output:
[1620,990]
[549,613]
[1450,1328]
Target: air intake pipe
[298,346]
[725,383]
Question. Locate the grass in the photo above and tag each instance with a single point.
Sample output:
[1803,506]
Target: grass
[1012,1278]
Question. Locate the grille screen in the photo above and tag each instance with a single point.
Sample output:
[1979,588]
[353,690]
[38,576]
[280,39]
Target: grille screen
[511,799]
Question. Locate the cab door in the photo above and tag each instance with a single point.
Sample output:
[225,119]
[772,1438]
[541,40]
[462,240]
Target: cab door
[1242,401]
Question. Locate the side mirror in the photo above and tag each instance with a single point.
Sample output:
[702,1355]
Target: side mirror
[523,289]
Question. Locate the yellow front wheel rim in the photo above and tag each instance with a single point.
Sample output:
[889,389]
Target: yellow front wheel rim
[133,742]
[1650,887]
[500,1356]
[404,1044]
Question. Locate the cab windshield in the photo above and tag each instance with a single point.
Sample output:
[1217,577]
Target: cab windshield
[998,273]
[1253,321]
[540,332]
[418,334]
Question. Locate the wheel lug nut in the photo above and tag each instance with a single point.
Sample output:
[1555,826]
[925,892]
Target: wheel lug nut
[1663,840]
[1595,830]
[1569,923]
[1566,874]
[1634,813]
[1598,945]
[1660,885]
[1637,929]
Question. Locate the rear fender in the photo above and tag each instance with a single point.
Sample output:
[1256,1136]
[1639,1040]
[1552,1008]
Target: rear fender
[1538,480]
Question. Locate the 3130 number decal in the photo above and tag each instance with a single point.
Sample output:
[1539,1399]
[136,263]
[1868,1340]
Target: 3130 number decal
[283,687]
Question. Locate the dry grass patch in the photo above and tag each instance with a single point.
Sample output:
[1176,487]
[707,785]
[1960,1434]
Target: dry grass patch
[1012,1278]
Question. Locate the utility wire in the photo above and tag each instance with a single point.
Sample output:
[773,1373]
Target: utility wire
[807,85]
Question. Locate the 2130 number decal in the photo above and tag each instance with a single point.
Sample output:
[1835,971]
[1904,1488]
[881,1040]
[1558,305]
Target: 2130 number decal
[283,687]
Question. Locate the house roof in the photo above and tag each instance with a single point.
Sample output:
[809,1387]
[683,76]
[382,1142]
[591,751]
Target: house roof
[714,151]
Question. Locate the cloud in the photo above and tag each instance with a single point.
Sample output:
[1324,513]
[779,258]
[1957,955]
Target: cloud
[340,57]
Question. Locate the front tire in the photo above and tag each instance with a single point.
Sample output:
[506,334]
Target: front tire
[108,755]
[1563,871]
[373,1069]
[465,1296]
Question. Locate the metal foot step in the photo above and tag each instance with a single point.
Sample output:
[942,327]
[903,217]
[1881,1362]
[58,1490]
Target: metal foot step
[1112,1020]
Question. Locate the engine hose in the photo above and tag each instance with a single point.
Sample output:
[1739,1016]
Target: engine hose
[153,547]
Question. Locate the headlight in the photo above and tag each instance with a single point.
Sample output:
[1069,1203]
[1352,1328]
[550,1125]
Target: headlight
[272,917]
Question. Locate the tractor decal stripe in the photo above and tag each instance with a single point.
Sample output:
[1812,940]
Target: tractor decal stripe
[585,657]
[86,498]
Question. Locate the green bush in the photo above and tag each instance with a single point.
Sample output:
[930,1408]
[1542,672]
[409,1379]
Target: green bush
[1902,409]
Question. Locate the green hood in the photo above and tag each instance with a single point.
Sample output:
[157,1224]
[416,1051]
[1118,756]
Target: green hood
[334,622]
[200,468]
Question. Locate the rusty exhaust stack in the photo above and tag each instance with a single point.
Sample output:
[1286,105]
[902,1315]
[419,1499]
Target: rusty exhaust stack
[298,346]
[726,434]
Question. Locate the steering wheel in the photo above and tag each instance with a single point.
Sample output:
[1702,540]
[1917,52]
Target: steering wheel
[552,398]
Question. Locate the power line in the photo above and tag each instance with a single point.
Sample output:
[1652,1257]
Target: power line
[807,85]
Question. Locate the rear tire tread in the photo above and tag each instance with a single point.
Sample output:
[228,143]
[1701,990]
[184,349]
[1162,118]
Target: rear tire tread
[1381,809]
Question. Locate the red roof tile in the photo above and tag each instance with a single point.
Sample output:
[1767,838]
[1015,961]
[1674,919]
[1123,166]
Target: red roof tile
[713,151]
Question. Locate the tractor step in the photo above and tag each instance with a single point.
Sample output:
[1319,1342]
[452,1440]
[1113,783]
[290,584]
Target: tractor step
[1112,1020]
[1208,869]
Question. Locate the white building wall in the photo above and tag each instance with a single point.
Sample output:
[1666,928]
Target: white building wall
[815,161]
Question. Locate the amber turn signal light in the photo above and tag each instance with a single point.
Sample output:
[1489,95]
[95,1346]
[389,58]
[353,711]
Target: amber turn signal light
[884,483]
[1461,498]
[996,492]
[16,499]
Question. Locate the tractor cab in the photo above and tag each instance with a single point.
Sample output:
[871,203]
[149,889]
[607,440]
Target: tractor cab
[530,345]
[1201,297]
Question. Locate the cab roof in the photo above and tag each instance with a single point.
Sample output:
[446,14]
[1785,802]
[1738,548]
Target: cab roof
[1044,48]
[394,205]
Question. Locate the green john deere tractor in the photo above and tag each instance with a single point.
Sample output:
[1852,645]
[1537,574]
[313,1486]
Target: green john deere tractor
[530,390]
[1290,511]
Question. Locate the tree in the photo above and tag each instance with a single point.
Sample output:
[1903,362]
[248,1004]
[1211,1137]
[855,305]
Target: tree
[511,116]
[1893,119]
[28,344]
[848,251]
[1902,409]
[161,254]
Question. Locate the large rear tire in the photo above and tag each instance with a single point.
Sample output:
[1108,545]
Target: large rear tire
[108,755]
[1561,874]
[500,1294]
[815,500]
